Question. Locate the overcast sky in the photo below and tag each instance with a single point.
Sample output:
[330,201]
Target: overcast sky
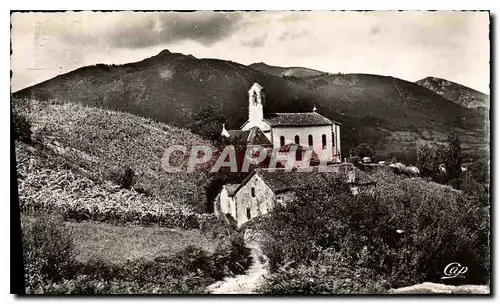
[408,45]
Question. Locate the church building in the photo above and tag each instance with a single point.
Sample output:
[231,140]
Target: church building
[281,132]
[309,130]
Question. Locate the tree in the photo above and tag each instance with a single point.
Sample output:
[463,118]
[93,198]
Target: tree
[453,158]
[208,122]
[21,124]
[480,170]
[364,150]
[428,160]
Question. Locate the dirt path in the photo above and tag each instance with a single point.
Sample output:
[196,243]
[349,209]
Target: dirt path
[434,288]
[243,283]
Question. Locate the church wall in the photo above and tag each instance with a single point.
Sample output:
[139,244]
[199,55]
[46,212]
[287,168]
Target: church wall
[337,151]
[260,204]
[303,133]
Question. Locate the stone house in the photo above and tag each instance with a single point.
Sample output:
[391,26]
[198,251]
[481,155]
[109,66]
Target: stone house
[257,194]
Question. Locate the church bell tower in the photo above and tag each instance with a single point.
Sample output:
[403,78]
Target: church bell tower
[256,100]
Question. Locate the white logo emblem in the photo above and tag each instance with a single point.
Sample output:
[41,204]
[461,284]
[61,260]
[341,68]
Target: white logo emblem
[454,270]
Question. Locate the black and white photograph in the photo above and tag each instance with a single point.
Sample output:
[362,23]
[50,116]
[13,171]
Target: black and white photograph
[250,152]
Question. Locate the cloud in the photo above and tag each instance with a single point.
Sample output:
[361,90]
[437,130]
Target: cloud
[135,30]
[256,42]
[375,29]
[161,28]
[292,35]
[48,44]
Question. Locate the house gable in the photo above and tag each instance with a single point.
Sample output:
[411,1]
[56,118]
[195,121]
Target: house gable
[252,198]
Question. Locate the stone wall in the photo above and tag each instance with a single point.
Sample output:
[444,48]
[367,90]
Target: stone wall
[256,205]
[227,203]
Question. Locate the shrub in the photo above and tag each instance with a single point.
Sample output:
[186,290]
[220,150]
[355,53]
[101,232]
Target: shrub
[321,279]
[216,227]
[125,177]
[355,160]
[48,251]
[21,124]
[364,150]
[232,256]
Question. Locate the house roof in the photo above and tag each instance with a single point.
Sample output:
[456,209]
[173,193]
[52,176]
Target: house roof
[296,119]
[231,188]
[280,179]
[253,136]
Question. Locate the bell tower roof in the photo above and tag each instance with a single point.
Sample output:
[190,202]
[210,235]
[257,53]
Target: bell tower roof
[255,86]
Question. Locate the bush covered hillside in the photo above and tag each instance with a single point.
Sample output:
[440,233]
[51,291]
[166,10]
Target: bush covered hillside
[106,165]
[403,233]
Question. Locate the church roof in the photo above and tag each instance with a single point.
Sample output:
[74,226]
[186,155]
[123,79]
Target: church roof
[287,147]
[253,136]
[296,119]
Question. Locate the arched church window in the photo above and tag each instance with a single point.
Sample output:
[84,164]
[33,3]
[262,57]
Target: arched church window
[310,140]
[254,98]
[323,141]
[282,141]
[298,155]
[297,139]
[249,215]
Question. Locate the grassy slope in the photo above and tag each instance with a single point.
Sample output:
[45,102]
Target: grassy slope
[299,72]
[99,144]
[117,244]
[384,111]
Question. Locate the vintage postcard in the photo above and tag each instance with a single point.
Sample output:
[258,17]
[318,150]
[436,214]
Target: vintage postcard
[237,152]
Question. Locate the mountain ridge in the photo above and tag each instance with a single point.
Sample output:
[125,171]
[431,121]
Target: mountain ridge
[458,93]
[389,113]
[295,71]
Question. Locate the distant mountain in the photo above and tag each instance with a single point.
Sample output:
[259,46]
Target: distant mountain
[298,72]
[455,92]
[388,113]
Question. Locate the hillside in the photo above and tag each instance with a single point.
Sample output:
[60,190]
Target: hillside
[298,72]
[386,112]
[394,115]
[455,92]
[80,155]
